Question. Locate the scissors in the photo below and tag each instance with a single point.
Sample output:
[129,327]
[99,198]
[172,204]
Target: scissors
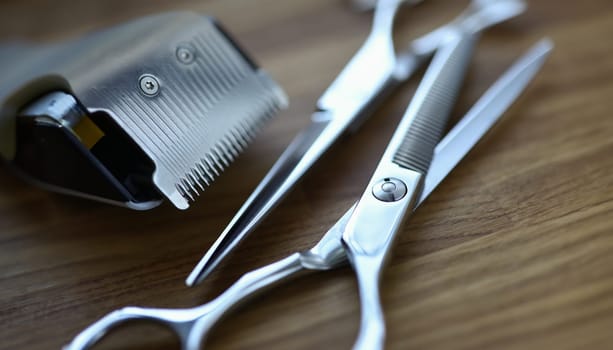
[350,238]
[370,76]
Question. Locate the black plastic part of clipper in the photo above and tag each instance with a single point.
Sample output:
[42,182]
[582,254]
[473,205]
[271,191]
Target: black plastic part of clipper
[114,169]
[50,155]
[125,160]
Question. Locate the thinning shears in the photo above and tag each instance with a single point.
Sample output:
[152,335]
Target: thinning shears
[371,75]
[411,167]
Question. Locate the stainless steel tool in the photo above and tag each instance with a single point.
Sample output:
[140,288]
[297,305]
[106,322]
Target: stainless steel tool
[154,108]
[194,324]
[367,80]
[397,183]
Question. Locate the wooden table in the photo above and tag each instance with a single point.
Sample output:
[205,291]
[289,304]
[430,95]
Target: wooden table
[513,251]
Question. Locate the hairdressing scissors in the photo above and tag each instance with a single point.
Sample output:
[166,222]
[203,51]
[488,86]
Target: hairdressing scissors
[349,238]
[371,75]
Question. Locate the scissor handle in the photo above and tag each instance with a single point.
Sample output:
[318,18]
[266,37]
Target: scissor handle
[178,320]
[193,324]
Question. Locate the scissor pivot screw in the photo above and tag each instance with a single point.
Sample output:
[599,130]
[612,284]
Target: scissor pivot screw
[149,84]
[389,190]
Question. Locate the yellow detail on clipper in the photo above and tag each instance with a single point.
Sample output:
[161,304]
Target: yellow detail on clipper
[88,132]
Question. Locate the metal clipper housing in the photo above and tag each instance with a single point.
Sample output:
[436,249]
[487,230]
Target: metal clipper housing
[154,108]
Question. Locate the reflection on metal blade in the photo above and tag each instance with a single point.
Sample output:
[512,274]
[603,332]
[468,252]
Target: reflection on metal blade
[484,114]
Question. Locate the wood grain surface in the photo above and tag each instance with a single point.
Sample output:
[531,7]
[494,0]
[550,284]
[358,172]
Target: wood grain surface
[513,251]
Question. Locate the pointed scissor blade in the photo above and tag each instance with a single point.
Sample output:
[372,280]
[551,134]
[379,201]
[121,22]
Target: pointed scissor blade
[301,154]
[482,116]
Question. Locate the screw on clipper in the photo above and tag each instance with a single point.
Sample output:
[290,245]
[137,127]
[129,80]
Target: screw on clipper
[149,85]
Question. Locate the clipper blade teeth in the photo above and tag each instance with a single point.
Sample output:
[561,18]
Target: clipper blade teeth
[204,172]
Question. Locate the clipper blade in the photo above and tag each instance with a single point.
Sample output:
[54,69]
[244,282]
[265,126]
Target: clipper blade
[172,99]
